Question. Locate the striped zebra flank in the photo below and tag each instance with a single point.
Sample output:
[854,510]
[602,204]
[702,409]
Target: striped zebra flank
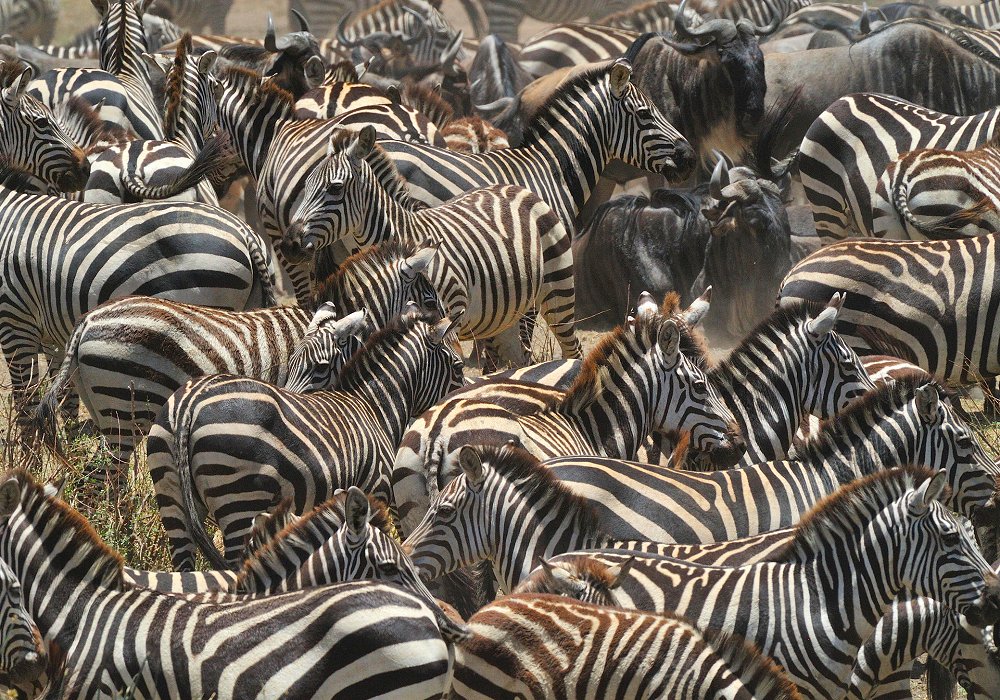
[341,91]
[541,646]
[921,625]
[126,357]
[570,45]
[82,255]
[846,152]
[208,452]
[984,14]
[907,421]
[505,16]
[501,250]
[899,303]
[324,642]
[940,194]
[886,535]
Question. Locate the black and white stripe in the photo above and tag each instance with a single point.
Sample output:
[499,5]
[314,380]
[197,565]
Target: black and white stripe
[237,446]
[848,148]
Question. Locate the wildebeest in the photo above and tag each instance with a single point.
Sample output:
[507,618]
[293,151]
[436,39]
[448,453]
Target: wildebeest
[939,74]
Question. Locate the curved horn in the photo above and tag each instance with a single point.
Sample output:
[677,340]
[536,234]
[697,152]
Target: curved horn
[720,179]
[342,38]
[495,105]
[269,40]
[721,30]
[303,22]
[680,24]
[449,53]
[420,32]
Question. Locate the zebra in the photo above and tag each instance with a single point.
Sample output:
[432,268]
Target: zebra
[848,148]
[654,16]
[899,510]
[320,642]
[29,20]
[31,138]
[85,44]
[938,322]
[904,422]
[984,14]
[501,249]
[340,91]
[22,656]
[313,443]
[505,16]
[128,356]
[808,370]
[177,250]
[198,14]
[921,625]
[939,194]
[617,653]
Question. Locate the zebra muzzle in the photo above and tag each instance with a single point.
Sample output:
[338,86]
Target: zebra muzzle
[986,611]
[28,669]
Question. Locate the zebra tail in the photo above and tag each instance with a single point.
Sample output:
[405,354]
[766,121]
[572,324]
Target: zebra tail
[212,160]
[47,411]
[940,682]
[182,459]
[946,225]
[264,281]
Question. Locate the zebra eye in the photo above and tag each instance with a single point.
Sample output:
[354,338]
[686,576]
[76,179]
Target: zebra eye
[446,510]
[951,539]
[388,568]
[337,185]
[965,442]
[700,385]
[644,112]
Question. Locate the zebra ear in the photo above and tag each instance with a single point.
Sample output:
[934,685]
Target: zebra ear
[357,510]
[355,324]
[646,305]
[55,488]
[156,63]
[440,330]
[143,5]
[927,399]
[10,497]
[17,86]
[694,314]
[418,262]
[324,314]
[621,72]
[928,492]
[669,343]
[472,466]
[315,72]
[618,572]
[101,6]
[364,142]
[206,61]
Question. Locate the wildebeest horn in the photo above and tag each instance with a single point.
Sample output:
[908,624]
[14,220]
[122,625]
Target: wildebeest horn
[449,53]
[420,32]
[720,179]
[303,22]
[269,40]
[342,38]
[722,30]
[494,106]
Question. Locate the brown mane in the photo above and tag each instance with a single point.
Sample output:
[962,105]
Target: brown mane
[352,373]
[757,671]
[540,122]
[379,255]
[428,102]
[173,91]
[250,82]
[55,515]
[848,508]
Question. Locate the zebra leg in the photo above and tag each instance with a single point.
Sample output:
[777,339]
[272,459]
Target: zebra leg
[503,350]
[21,350]
[556,294]
[169,500]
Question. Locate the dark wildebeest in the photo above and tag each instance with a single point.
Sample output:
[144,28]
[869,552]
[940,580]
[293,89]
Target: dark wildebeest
[939,74]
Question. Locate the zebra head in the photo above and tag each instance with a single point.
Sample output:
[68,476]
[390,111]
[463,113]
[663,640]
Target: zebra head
[121,37]
[324,350]
[361,551]
[31,138]
[581,577]
[835,374]
[684,399]
[937,553]
[382,280]
[637,131]
[23,656]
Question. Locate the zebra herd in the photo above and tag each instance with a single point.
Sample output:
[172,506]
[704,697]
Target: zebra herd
[266,267]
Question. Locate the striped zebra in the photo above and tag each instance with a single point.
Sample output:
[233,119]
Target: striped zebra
[502,250]
[312,444]
[655,16]
[85,44]
[29,20]
[940,194]
[128,356]
[31,138]
[617,653]
[807,370]
[922,625]
[321,642]
[505,16]
[22,655]
[891,531]
[340,91]
[180,251]
[904,422]
[847,149]
[984,14]
[939,322]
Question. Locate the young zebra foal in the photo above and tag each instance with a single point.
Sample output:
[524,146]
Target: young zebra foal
[502,249]
[230,447]
[543,646]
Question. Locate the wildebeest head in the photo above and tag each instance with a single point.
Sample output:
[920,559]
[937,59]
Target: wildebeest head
[292,61]
[495,78]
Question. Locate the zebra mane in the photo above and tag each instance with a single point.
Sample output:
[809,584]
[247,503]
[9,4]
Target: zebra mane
[537,483]
[782,321]
[48,514]
[428,102]
[880,401]
[841,515]
[340,72]
[541,122]
[378,256]
[624,345]
[383,168]
[754,668]
[351,375]
[250,82]
[83,124]
[173,92]
[329,516]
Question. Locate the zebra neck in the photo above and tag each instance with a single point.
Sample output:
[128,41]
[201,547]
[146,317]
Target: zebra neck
[856,448]
[384,218]
[252,131]
[387,384]
[271,566]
